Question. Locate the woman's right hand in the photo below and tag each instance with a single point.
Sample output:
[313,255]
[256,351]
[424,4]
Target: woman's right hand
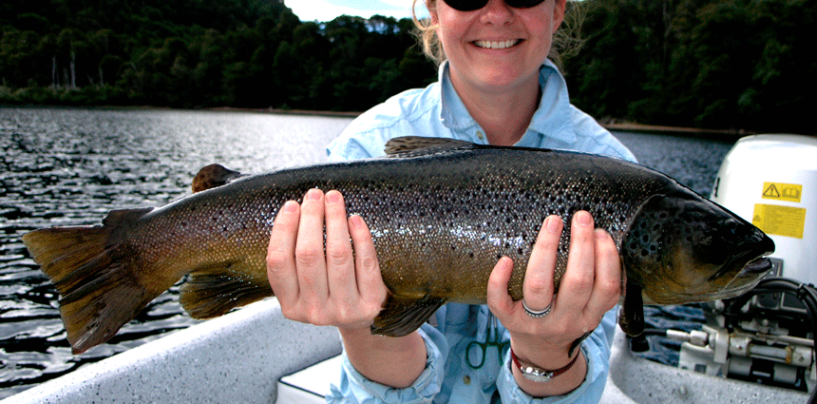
[339,287]
[342,287]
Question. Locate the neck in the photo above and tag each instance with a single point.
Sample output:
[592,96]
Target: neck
[503,115]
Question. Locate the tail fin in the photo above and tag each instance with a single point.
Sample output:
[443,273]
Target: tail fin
[95,275]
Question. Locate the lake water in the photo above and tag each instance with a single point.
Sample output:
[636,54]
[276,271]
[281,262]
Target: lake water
[71,166]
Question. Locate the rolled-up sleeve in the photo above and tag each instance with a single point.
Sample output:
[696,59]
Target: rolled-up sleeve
[596,349]
[356,388]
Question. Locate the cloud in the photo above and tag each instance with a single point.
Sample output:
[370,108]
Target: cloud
[327,10]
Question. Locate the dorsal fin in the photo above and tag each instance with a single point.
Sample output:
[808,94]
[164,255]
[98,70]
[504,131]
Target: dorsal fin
[413,146]
[214,175]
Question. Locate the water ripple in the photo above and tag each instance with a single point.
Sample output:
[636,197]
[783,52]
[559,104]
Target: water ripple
[69,167]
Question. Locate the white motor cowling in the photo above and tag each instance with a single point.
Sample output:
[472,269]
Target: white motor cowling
[771,181]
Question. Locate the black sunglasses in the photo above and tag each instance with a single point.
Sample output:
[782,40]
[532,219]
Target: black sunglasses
[471,5]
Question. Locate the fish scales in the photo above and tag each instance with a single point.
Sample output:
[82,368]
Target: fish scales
[462,215]
[431,217]
[440,218]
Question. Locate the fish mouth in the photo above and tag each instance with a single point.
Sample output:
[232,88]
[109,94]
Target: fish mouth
[753,268]
[751,274]
[728,293]
[742,282]
[757,266]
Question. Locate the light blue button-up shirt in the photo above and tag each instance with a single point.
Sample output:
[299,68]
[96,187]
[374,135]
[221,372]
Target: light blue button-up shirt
[438,111]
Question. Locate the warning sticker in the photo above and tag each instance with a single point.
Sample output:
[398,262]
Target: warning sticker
[780,220]
[782,192]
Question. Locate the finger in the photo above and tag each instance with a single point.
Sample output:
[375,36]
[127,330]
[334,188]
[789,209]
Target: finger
[577,282]
[537,287]
[499,300]
[367,268]
[340,265]
[283,277]
[309,256]
[607,284]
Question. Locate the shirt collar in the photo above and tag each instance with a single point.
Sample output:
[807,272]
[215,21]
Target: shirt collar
[453,113]
[552,119]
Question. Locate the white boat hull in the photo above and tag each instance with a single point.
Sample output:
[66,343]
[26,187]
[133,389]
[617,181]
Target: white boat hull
[241,356]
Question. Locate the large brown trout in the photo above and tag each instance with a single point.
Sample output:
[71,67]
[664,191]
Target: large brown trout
[441,212]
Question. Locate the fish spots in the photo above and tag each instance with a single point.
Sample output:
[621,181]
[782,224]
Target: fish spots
[645,236]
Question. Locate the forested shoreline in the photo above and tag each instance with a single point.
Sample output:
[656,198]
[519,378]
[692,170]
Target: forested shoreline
[733,64]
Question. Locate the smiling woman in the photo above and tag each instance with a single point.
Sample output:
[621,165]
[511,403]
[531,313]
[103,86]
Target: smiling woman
[566,40]
[496,86]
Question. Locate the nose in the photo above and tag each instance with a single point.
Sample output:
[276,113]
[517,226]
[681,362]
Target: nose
[497,12]
[767,244]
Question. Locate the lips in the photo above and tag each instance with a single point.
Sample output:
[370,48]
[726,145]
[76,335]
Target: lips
[497,44]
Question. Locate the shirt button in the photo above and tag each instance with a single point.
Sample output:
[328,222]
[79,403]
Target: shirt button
[480,135]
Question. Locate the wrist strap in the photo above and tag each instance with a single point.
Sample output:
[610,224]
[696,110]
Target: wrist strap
[539,374]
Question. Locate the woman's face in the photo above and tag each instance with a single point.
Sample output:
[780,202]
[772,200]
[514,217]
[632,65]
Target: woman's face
[497,47]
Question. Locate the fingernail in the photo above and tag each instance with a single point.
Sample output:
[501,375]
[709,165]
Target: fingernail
[314,194]
[355,221]
[583,218]
[601,234]
[290,206]
[551,224]
[333,197]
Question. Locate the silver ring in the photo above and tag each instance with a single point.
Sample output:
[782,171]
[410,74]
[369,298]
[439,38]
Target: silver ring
[537,314]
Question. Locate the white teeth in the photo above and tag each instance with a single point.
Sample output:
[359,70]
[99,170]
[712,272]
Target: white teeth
[496,45]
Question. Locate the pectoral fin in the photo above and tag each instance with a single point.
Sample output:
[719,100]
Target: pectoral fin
[577,343]
[631,316]
[401,316]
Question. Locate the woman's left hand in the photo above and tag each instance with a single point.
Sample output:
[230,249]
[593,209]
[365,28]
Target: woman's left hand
[590,286]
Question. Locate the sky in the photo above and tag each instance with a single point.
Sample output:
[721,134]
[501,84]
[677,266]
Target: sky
[327,10]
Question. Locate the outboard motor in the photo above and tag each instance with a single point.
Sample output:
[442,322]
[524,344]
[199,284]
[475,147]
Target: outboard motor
[767,336]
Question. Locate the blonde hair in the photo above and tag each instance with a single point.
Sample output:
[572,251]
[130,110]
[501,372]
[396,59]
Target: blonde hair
[566,40]
[426,34]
